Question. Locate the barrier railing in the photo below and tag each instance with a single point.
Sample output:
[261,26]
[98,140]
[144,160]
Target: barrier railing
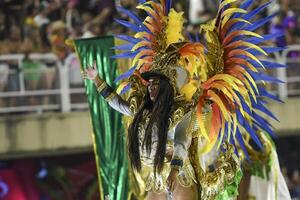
[59,87]
[40,83]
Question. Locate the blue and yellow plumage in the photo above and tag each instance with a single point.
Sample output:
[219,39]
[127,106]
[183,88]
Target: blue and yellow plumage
[227,66]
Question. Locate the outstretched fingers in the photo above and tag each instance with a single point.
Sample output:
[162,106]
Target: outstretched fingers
[95,65]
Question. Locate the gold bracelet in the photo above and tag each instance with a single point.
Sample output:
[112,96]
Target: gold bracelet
[112,95]
[101,86]
[178,168]
[99,81]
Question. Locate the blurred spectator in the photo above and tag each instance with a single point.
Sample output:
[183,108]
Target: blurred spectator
[58,36]
[14,13]
[92,30]
[4,71]
[14,39]
[72,15]
[196,7]
[295,185]
[55,10]
[278,27]
[2,26]
[32,42]
[48,76]
[75,78]
[31,70]
[13,43]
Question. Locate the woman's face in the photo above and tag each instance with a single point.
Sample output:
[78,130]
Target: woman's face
[153,86]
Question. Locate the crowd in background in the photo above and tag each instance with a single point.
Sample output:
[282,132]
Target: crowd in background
[292,179]
[42,26]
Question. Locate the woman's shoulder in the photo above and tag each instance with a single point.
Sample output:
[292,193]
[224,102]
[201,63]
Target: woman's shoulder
[181,109]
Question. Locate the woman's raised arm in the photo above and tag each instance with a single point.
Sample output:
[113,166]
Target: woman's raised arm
[114,100]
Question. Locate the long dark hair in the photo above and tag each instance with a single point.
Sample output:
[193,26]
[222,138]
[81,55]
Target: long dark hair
[160,110]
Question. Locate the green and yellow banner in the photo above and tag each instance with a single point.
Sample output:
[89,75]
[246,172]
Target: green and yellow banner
[108,130]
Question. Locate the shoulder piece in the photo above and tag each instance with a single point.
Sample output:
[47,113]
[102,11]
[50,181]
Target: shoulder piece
[180,108]
[137,94]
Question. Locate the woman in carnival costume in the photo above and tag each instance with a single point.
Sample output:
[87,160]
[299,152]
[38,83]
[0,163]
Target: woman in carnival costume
[195,98]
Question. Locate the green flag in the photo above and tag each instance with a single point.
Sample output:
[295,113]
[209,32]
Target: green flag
[108,131]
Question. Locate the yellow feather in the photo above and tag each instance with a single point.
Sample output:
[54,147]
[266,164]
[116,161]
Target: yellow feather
[121,86]
[215,98]
[202,126]
[221,134]
[230,11]
[189,90]
[174,27]
[141,34]
[233,21]
[226,2]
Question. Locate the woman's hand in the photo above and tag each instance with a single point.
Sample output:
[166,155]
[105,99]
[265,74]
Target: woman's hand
[91,72]
[171,180]
[169,153]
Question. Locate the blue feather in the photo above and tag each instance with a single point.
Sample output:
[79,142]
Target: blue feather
[130,14]
[248,16]
[254,12]
[142,1]
[126,88]
[264,93]
[263,123]
[125,55]
[264,128]
[244,105]
[269,64]
[262,108]
[259,76]
[245,5]
[135,18]
[129,25]
[197,38]
[190,36]
[247,127]
[267,37]
[260,119]
[266,49]
[126,74]
[272,49]
[259,23]
[124,47]
[231,140]
[240,140]
[128,38]
[248,59]
[226,135]
[268,130]
[168,5]
[266,64]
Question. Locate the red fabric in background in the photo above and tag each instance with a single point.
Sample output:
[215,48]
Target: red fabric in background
[15,189]
[82,174]
[27,176]
[20,176]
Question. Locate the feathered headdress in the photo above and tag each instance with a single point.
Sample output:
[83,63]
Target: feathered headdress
[158,48]
[226,68]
